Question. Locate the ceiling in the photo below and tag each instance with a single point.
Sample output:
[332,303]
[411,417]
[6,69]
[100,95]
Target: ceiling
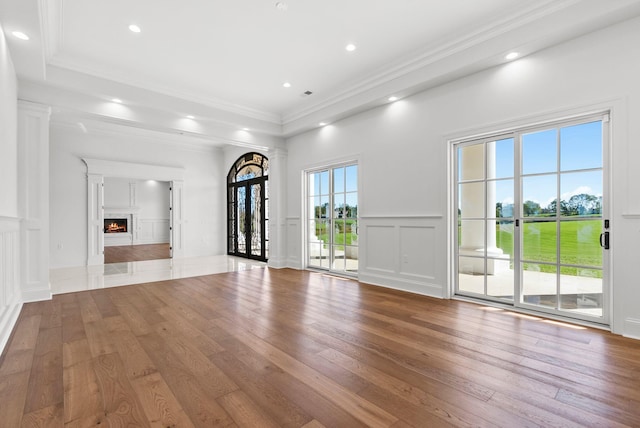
[226,62]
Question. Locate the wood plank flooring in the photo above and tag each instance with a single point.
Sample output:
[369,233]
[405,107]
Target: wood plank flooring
[135,253]
[285,348]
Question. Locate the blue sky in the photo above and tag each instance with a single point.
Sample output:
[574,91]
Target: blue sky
[580,149]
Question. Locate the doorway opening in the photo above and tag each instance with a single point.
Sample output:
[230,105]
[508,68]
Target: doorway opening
[248,207]
[531,219]
[136,220]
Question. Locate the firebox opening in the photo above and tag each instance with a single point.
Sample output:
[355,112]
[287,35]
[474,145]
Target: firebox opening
[115,225]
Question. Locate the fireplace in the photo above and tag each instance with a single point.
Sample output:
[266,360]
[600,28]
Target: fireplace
[115,225]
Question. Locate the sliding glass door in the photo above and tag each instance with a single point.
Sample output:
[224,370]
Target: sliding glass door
[332,219]
[532,219]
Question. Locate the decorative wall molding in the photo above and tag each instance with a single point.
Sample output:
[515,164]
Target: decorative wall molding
[278,229]
[294,250]
[108,168]
[33,199]
[401,217]
[400,252]
[10,296]
[152,231]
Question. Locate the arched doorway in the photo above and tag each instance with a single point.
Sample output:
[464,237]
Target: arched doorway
[247,207]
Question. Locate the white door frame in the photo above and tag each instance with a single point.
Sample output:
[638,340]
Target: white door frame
[98,169]
[516,130]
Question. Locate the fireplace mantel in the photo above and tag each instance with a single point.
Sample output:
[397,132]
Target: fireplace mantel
[121,210]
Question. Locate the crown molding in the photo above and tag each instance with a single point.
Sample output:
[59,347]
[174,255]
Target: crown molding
[51,24]
[434,53]
[253,113]
[94,124]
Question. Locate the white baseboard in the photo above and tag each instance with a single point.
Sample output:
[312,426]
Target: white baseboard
[631,328]
[36,295]
[425,289]
[8,319]
[277,263]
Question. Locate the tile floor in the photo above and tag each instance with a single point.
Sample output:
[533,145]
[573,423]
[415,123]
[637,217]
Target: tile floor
[67,280]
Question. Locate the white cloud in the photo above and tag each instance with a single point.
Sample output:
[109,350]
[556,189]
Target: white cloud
[578,191]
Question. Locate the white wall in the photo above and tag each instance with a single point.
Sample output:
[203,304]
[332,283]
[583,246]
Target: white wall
[204,179]
[403,147]
[10,297]
[8,134]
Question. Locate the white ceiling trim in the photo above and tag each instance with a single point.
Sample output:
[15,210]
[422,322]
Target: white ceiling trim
[92,124]
[432,55]
[51,24]
[64,63]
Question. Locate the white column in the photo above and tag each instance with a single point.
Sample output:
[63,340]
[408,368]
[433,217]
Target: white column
[472,204]
[277,198]
[177,220]
[95,219]
[33,199]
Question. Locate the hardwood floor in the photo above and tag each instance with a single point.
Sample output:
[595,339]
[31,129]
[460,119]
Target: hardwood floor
[135,253]
[268,348]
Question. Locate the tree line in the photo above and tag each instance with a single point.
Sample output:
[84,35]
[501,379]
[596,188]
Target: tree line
[581,204]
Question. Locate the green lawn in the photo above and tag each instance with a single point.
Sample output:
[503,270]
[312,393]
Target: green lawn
[579,244]
[343,235]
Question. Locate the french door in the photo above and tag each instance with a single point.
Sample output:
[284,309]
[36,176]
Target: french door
[249,219]
[532,219]
[332,219]
[248,207]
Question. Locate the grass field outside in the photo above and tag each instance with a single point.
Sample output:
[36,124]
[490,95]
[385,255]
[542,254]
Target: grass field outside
[344,234]
[579,245]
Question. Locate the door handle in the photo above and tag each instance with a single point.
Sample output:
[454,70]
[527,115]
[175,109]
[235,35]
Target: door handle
[604,240]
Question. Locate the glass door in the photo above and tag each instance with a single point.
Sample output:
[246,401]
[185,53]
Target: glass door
[332,215]
[562,266]
[248,207]
[486,218]
[531,215]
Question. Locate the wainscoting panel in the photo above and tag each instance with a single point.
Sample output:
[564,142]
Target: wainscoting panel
[407,253]
[294,252]
[152,231]
[381,248]
[417,251]
[10,298]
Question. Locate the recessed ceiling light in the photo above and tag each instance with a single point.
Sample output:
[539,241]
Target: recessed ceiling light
[392,99]
[117,100]
[512,55]
[190,116]
[350,47]
[134,28]
[245,129]
[286,84]
[20,35]
[322,124]
[282,6]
